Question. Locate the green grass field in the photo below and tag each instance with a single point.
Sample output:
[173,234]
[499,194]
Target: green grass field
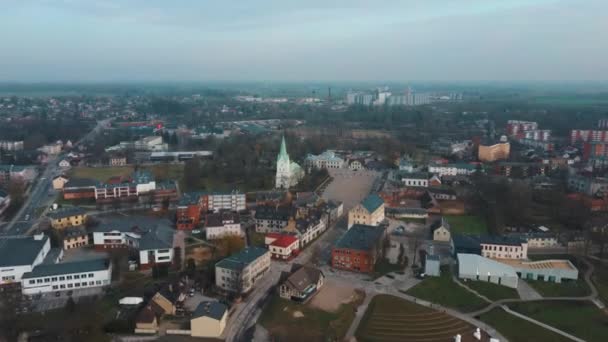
[442,290]
[101,174]
[581,319]
[517,329]
[279,319]
[467,224]
[567,288]
[390,318]
[600,280]
[492,291]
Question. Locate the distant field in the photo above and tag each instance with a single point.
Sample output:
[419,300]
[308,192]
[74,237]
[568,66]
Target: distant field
[467,224]
[581,319]
[161,172]
[101,174]
[517,329]
[570,100]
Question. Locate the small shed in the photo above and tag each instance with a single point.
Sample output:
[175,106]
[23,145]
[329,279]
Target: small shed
[432,265]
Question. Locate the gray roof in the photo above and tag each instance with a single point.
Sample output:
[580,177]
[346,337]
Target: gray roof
[440,223]
[303,277]
[501,240]
[18,251]
[66,212]
[360,237]
[469,264]
[155,233]
[215,310]
[241,259]
[45,270]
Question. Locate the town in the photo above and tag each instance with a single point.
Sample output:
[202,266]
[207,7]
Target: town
[352,214]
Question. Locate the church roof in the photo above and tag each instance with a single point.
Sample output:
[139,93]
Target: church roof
[283,152]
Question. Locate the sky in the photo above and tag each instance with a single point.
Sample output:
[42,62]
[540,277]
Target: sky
[303,40]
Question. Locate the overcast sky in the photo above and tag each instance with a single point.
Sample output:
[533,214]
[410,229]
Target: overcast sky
[290,40]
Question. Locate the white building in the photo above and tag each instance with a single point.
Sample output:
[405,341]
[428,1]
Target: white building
[152,238]
[503,247]
[223,224]
[418,179]
[7,145]
[475,267]
[19,255]
[325,160]
[52,149]
[240,272]
[288,173]
[67,276]
[282,246]
[452,169]
[234,201]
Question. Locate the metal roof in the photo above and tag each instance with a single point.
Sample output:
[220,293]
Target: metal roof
[66,212]
[45,270]
[372,202]
[22,250]
[243,258]
[360,237]
[215,310]
[476,264]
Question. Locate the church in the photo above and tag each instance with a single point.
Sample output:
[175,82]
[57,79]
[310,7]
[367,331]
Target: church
[288,173]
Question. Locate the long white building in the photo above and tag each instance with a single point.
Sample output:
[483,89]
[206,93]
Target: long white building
[67,276]
[325,160]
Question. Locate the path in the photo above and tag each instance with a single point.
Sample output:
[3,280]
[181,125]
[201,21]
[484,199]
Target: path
[527,292]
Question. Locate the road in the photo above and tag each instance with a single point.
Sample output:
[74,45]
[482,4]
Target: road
[40,191]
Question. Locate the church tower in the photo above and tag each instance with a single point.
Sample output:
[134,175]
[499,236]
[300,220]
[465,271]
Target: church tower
[283,175]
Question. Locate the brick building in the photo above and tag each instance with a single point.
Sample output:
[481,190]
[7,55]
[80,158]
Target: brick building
[358,249]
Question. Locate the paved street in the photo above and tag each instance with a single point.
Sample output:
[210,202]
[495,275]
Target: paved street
[41,193]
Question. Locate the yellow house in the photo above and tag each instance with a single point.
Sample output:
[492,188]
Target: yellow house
[441,230]
[69,217]
[59,182]
[369,212]
[491,152]
[165,301]
[146,321]
[208,320]
[75,237]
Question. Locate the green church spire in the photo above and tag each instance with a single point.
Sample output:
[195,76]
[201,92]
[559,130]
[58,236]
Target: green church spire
[283,153]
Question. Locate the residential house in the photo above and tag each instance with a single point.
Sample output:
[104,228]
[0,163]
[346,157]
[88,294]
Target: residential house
[418,179]
[75,237]
[358,249]
[117,160]
[209,320]
[166,301]
[16,173]
[271,218]
[503,247]
[301,283]
[459,169]
[441,230]
[65,164]
[59,182]
[369,212]
[241,271]
[145,321]
[491,151]
[219,225]
[282,246]
[68,217]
